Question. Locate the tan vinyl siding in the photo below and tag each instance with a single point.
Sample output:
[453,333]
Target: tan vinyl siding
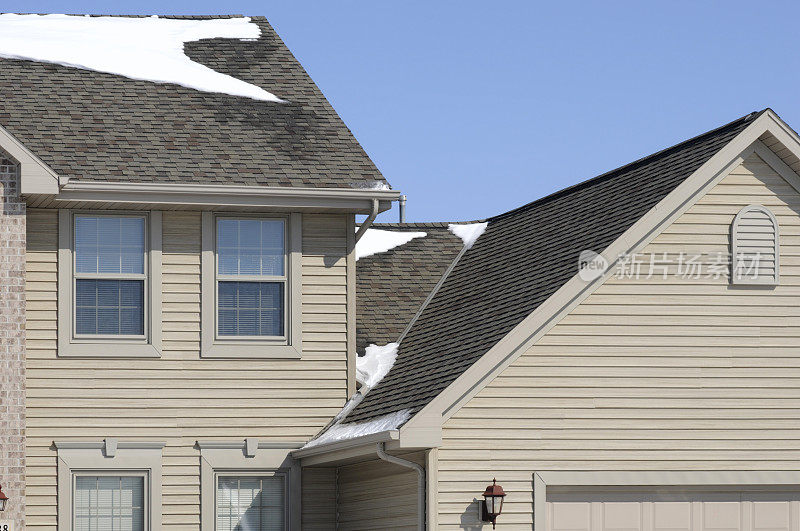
[378,495]
[180,397]
[319,499]
[648,373]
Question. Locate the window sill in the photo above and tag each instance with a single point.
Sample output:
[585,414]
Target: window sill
[108,349]
[253,351]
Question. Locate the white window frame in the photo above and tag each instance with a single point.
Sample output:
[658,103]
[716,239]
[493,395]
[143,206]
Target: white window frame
[111,458]
[247,458]
[144,277]
[284,279]
[215,346]
[144,474]
[90,345]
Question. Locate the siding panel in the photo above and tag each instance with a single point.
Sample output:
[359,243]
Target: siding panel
[181,398]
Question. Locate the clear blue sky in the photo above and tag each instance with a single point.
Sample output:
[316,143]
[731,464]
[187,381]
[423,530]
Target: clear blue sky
[473,108]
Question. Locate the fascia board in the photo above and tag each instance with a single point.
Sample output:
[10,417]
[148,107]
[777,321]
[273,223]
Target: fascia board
[35,176]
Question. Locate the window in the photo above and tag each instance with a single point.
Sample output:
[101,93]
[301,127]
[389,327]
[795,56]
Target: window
[109,284]
[109,485]
[109,272]
[109,502]
[251,277]
[755,254]
[256,503]
[251,286]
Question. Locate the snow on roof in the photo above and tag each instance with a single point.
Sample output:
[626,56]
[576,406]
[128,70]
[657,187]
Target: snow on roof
[468,233]
[375,363]
[342,432]
[375,241]
[149,49]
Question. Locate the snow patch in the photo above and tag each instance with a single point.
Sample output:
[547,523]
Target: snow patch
[149,49]
[468,233]
[343,432]
[375,363]
[371,185]
[375,241]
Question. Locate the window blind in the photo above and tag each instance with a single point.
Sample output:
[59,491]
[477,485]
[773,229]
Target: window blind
[109,503]
[251,503]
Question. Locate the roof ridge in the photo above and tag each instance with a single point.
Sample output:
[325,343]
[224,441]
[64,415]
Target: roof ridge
[648,158]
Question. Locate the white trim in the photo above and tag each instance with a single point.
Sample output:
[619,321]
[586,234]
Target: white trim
[109,347]
[36,177]
[228,458]
[651,478]
[91,458]
[244,348]
[425,426]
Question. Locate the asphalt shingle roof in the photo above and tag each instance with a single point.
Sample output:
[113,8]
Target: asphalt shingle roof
[102,127]
[391,286]
[523,257]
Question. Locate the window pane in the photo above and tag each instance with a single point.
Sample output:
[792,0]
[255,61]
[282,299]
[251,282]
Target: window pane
[109,503]
[251,503]
[114,307]
[251,247]
[107,244]
[250,308]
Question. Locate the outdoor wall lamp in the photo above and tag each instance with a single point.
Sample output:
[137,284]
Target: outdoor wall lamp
[492,503]
[3,499]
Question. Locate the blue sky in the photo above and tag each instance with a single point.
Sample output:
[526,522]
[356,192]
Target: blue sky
[473,108]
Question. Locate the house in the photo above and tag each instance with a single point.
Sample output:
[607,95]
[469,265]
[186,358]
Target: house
[186,255]
[621,354]
[186,294]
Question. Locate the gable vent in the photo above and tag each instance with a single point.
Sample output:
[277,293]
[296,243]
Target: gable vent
[755,256]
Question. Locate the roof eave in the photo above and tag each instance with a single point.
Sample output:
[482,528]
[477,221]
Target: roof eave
[346,450]
[36,177]
[206,196]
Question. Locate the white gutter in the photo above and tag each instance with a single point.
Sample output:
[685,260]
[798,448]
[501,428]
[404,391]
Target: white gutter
[347,444]
[220,195]
[381,449]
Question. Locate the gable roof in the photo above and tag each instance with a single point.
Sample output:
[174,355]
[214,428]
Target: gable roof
[391,286]
[524,257]
[94,126]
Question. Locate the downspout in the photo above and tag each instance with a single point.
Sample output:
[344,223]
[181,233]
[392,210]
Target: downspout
[381,447]
[367,222]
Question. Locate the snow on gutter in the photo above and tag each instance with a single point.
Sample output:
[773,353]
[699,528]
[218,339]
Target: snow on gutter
[143,48]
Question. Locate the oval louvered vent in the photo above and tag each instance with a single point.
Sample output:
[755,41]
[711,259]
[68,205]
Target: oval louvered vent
[755,257]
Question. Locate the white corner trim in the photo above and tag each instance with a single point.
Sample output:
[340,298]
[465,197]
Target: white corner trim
[36,177]
[526,333]
[91,456]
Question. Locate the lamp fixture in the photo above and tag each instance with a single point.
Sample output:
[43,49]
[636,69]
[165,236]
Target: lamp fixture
[3,499]
[492,503]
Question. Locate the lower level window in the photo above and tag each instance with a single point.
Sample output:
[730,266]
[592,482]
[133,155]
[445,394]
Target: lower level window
[109,503]
[252,503]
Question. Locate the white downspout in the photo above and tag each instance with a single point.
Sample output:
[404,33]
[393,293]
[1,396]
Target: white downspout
[367,222]
[420,481]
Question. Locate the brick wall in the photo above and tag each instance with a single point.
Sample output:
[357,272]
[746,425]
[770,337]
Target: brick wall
[12,343]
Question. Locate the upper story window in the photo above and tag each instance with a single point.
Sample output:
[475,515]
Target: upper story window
[109,275]
[251,277]
[755,247]
[109,284]
[251,286]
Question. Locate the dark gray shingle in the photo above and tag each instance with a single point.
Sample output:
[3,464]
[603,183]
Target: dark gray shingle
[102,127]
[523,257]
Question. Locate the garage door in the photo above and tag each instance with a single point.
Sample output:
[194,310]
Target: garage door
[672,510]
